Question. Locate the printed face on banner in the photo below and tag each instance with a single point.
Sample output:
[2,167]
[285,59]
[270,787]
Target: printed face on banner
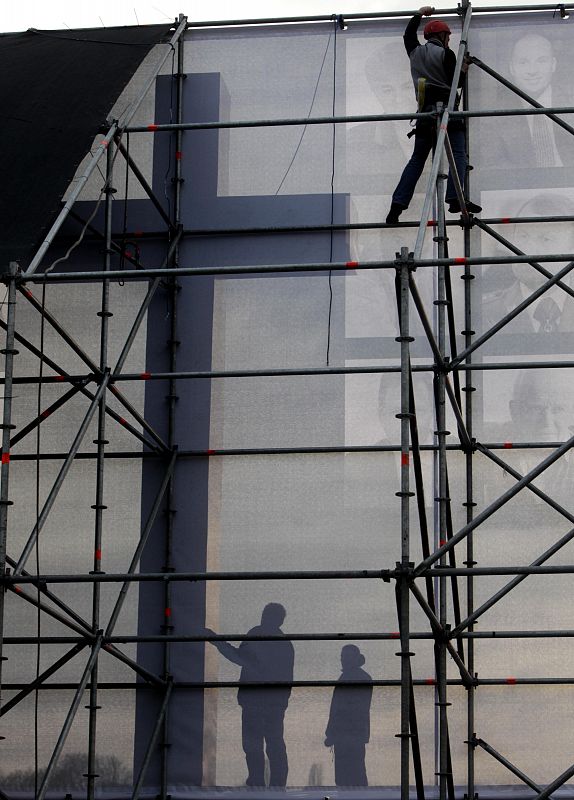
[533,64]
[547,315]
[535,59]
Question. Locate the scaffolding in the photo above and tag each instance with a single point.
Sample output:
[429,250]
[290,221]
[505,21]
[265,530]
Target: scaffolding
[434,585]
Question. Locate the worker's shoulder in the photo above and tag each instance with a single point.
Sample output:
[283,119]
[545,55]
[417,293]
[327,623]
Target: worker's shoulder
[256,631]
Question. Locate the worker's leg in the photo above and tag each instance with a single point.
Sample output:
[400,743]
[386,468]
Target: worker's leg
[458,145]
[403,194]
[252,731]
[350,763]
[275,745]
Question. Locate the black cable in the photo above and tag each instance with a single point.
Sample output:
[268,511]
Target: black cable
[98,167]
[332,193]
[78,241]
[93,41]
[308,116]
[89,220]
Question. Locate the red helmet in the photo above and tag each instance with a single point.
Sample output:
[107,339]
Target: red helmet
[434,27]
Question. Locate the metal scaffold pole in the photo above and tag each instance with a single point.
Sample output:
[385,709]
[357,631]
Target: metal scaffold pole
[174,288]
[441,499]
[403,295]
[469,390]
[9,352]
[99,504]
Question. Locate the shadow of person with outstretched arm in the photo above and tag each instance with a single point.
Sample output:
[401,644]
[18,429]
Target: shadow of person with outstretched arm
[263,708]
[349,726]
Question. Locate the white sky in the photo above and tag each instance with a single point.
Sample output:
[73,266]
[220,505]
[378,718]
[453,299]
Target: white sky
[17,15]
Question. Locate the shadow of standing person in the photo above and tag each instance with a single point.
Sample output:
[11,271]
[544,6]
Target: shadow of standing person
[349,726]
[263,708]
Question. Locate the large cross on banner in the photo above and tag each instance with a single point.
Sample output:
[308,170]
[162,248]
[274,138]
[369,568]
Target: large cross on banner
[204,208]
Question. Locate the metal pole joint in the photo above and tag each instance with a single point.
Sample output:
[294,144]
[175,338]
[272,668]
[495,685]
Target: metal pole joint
[13,272]
[405,258]
[466,222]
[442,367]
[468,448]
[441,238]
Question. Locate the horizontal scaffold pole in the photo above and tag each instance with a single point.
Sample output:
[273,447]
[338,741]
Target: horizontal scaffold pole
[282,229]
[291,637]
[280,451]
[369,369]
[324,266]
[380,15]
[511,681]
[301,575]
[285,122]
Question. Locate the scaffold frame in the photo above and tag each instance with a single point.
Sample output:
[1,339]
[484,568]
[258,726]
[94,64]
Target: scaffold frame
[429,583]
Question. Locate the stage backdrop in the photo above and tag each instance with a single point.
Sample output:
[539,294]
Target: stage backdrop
[318,510]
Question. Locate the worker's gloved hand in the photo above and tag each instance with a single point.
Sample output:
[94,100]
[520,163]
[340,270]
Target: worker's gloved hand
[426,11]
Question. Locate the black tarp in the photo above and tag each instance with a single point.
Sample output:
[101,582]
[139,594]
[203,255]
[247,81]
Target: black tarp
[56,89]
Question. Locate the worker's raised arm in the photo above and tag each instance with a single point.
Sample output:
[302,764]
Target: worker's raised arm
[227,650]
[410,37]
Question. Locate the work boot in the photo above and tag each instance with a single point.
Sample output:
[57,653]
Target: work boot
[394,213]
[454,206]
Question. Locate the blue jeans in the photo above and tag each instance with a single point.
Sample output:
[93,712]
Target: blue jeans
[424,141]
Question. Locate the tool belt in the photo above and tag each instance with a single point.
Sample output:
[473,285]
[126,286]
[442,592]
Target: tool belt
[426,101]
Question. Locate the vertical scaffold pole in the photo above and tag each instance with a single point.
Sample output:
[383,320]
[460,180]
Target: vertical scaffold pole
[468,333]
[99,506]
[440,395]
[405,495]
[173,344]
[470,504]
[9,353]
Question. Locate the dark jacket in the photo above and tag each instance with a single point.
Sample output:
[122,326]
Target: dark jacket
[349,717]
[265,661]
